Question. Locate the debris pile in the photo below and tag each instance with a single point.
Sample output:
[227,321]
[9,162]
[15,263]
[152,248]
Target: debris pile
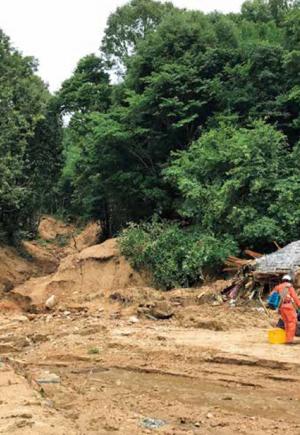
[257,276]
[285,260]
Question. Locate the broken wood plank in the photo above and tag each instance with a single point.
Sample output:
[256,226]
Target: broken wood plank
[277,246]
[253,254]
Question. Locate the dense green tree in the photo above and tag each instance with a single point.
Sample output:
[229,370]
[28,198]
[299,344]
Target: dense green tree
[186,75]
[127,26]
[24,149]
[291,28]
[44,160]
[235,181]
[88,89]
[267,10]
[86,92]
[203,128]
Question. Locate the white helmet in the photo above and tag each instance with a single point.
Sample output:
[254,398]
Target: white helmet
[287,278]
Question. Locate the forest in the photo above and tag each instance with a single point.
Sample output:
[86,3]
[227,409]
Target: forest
[181,136]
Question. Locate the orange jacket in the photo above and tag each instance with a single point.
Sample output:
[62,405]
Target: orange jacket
[291,296]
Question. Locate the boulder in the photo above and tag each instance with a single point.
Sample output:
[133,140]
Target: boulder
[51,302]
[162,310]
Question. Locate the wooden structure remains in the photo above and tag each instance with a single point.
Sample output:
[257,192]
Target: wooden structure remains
[275,265]
[259,275]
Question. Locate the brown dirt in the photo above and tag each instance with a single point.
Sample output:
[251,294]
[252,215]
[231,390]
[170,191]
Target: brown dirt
[206,369]
[51,228]
[58,233]
[23,411]
[114,374]
[86,238]
[47,260]
[13,268]
[84,276]
[56,241]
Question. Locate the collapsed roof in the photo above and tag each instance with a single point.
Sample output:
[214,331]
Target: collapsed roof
[285,260]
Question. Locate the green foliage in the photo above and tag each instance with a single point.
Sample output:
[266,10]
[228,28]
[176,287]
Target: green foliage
[29,142]
[267,10]
[127,26]
[241,182]
[88,89]
[45,161]
[174,256]
[204,127]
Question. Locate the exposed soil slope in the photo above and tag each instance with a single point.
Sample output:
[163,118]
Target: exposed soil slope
[14,269]
[51,228]
[84,276]
[56,241]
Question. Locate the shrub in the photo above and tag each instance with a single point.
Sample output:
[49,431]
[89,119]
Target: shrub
[174,256]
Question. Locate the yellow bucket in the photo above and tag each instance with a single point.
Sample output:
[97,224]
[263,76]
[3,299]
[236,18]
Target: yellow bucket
[276,336]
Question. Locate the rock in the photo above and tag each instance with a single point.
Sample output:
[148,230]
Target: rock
[22,415]
[162,310]
[227,398]
[48,378]
[119,297]
[51,302]
[125,333]
[7,348]
[21,341]
[49,318]
[133,319]
[21,319]
[209,415]
[67,313]
[152,423]
[49,403]
[39,338]
[260,309]
[220,424]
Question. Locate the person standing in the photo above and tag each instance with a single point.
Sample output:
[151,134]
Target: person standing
[287,309]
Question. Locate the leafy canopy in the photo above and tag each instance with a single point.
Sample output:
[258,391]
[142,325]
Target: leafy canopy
[29,137]
[203,128]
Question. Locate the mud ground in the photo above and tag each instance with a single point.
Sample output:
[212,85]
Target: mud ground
[101,362]
[116,372]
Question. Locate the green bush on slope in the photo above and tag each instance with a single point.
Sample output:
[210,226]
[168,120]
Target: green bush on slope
[176,257]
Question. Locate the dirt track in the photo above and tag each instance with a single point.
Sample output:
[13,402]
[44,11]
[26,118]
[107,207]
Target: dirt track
[114,374]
